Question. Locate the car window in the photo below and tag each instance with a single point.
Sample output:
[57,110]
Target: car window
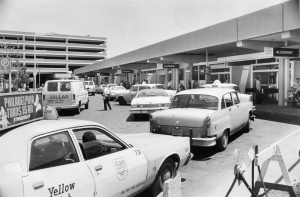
[134,88]
[151,94]
[65,86]
[91,83]
[159,87]
[94,142]
[199,101]
[86,83]
[52,87]
[235,98]
[228,100]
[51,151]
[144,87]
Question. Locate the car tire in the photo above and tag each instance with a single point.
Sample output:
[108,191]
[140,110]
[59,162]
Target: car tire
[223,141]
[86,106]
[78,109]
[166,171]
[122,101]
[247,127]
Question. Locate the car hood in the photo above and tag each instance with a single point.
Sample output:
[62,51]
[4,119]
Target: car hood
[141,140]
[150,100]
[182,117]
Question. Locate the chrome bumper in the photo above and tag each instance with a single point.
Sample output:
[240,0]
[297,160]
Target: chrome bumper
[204,141]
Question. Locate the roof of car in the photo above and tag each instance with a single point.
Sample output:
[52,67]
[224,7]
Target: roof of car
[152,90]
[208,91]
[64,80]
[222,84]
[146,84]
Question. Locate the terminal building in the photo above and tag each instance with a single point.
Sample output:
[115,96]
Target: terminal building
[53,55]
[261,44]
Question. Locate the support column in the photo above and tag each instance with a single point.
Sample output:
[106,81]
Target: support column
[166,77]
[281,82]
[286,78]
[175,78]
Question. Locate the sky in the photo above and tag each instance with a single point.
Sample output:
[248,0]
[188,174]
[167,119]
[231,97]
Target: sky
[127,24]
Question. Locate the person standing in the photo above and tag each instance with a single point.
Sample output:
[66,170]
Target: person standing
[297,87]
[106,98]
[258,96]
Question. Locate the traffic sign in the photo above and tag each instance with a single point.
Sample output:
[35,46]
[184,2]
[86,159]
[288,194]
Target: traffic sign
[5,66]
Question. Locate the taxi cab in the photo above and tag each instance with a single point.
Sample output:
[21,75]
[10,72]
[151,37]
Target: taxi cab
[48,156]
[66,94]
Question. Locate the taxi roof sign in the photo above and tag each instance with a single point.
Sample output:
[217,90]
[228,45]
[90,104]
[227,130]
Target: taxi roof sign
[50,113]
[216,84]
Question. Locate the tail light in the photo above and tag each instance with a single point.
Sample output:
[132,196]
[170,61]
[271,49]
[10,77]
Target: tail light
[74,98]
[207,121]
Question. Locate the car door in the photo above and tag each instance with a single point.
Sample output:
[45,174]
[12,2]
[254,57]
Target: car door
[118,170]
[233,111]
[134,90]
[236,101]
[55,168]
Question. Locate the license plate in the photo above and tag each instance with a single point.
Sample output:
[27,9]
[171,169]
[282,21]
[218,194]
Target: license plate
[178,132]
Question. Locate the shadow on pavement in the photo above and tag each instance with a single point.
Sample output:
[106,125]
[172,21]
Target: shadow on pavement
[139,118]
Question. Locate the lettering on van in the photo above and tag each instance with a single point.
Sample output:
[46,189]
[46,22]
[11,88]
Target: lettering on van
[61,96]
[61,189]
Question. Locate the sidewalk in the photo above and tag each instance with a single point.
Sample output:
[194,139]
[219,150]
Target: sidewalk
[274,108]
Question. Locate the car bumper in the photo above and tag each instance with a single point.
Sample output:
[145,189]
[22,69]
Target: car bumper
[191,155]
[147,110]
[204,142]
[65,106]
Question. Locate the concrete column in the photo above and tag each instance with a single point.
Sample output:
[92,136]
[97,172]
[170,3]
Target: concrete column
[166,77]
[286,78]
[281,82]
[175,74]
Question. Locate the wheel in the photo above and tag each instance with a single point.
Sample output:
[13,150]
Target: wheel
[77,110]
[86,106]
[122,101]
[247,127]
[223,141]
[166,171]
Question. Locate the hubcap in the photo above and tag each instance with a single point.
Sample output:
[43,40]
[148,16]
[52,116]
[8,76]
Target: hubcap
[167,176]
[224,140]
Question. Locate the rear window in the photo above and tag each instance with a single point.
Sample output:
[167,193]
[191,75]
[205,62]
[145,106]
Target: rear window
[91,83]
[86,83]
[52,87]
[65,86]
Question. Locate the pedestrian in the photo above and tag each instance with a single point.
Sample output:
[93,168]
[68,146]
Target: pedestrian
[144,81]
[106,98]
[258,95]
[169,85]
[180,87]
[296,85]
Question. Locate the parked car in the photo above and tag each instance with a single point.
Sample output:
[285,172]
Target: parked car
[115,90]
[126,97]
[209,116]
[68,157]
[100,89]
[66,94]
[90,86]
[148,101]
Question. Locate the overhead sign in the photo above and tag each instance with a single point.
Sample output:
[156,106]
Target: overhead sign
[281,52]
[5,66]
[170,65]
[16,109]
[127,71]
[103,74]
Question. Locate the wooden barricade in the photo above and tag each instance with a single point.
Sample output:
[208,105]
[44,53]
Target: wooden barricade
[172,187]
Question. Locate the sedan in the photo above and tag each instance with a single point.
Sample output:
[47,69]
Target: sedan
[148,101]
[115,90]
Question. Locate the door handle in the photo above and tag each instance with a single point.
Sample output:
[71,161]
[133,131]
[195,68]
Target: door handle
[237,105]
[229,109]
[38,185]
[97,168]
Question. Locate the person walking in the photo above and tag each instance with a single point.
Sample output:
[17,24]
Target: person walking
[296,85]
[258,96]
[106,98]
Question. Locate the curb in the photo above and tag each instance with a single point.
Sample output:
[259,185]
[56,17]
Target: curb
[278,112]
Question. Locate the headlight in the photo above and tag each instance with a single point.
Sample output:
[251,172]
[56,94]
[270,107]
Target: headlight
[133,106]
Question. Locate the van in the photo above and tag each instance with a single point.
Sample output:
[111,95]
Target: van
[90,86]
[66,94]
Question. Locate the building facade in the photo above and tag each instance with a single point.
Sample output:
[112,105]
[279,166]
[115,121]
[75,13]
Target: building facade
[52,55]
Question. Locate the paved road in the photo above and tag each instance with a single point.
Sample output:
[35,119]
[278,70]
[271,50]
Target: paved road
[210,173]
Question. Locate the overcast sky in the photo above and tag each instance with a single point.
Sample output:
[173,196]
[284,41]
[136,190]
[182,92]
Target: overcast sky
[127,24]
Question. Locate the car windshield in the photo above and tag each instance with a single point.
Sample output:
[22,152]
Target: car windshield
[151,94]
[198,101]
[159,87]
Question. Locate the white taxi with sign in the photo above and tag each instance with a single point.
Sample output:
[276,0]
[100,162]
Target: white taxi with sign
[66,94]
[75,158]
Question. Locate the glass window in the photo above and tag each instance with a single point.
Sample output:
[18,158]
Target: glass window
[51,151]
[199,101]
[52,87]
[95,143]
[144,87]
[91,83]
[159,87]
[228,100]
[151,94]
[65,86]
[134,88]
[86,83]
[235,98]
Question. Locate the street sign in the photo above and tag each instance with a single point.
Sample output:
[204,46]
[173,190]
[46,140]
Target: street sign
[170,65]
[127,71]
[5,66]
[281,52]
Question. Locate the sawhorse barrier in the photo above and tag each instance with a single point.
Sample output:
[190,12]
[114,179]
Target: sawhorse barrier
[272,153]
[172,187]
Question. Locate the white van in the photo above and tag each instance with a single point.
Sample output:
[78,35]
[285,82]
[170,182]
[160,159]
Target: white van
[90,86]
[66,94]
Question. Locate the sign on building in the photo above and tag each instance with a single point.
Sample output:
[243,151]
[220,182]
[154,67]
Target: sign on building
[281,52]
[5,66]
[170,65]
[127,71]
